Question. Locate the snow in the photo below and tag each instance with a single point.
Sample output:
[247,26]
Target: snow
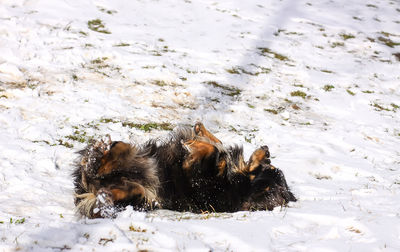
[235,66]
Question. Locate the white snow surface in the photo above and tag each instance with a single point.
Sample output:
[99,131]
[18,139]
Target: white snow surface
[237,66]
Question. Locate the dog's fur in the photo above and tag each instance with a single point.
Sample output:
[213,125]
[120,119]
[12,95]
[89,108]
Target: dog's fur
[190,171]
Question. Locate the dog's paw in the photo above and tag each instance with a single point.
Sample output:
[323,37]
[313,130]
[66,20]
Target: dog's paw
[104,205]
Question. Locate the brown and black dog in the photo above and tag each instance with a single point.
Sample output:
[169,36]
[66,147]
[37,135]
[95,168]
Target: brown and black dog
[190,171]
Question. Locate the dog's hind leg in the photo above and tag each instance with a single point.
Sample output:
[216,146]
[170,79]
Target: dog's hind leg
[206,153]
[201,131]
[109,199]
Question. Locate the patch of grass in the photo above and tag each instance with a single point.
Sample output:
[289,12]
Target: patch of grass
[104,241]
[162,83]
[83,33]
[328,88]
[251,106]
[43,141]
[299,94]
[379,107]
[372,6]
[108,120]
[287,32]
[17,221]
[65,144]
[336,44]
[368,92]
[99,65]
[272,111]
[233,70]
[264,51]
[354,230]
[263,70]
[99,61]
[137,229]
[191,71]
[320,176]
[122,44]
[156,53]
[326,71]
[159,83]
[230,91]
[110,12]
[395,107]
[79,136]
[166,49]
[388,34]
[345,36]
[388,42]
[350,92]
[146,127]
[97,26]
[247,139]
[149,67]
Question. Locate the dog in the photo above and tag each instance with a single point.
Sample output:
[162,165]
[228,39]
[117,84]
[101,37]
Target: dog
[191,170]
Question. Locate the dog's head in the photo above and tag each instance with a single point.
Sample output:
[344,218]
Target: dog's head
[100,158]
[268,187]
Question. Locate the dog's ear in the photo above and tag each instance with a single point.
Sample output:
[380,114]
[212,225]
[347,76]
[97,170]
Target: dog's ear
[257,161]
[113,158]
[201,131]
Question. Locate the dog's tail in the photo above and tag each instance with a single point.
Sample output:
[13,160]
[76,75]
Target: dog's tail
[85,195]
[86,204]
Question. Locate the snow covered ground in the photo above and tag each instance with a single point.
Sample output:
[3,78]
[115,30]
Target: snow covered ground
[316,81]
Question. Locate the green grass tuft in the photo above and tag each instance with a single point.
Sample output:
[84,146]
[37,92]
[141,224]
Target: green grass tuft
[230,91]
[272,111]
[336,44]
[122,44]
[147,127]
[388,42]
[328,88]
[299,94]
[346,36]
[264,51]
[379,107]
[97,26]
